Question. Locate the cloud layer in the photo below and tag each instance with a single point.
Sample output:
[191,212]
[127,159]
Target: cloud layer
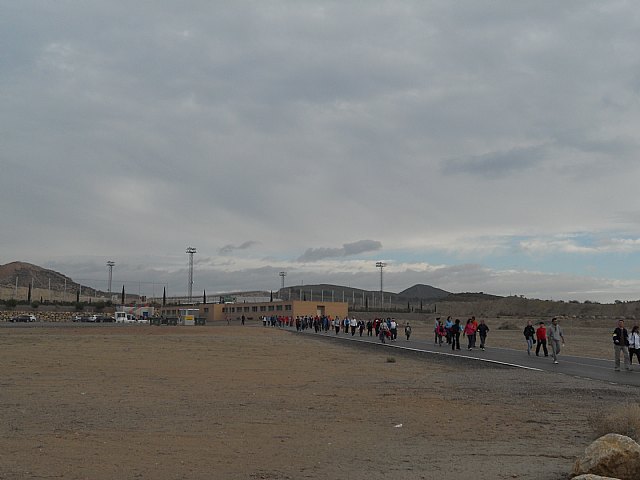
[453,133]
[348,249]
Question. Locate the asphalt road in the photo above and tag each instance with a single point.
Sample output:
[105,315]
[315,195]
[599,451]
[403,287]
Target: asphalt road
[582,367]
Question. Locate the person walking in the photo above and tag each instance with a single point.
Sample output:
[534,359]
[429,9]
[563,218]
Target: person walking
[529,335]
[447,326]
[621,345]
[469,331]
[634,344]
[393,328]
[455,335]
[407,331]
[474,322]
[441,333]
[541,337]
[483,329]
[384,331]
[555,338]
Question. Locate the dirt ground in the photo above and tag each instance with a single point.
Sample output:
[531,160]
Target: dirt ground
[106,402]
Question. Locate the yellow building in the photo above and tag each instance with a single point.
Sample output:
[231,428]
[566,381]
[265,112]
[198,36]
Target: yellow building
[215,312]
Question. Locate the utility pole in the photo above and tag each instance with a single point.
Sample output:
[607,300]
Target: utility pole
[110,264]
[190,252]
[381,265]
[282,275]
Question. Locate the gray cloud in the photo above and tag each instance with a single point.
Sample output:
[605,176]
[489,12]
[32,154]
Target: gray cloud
[348,249]
[230,248]
[232,120]
[496,164]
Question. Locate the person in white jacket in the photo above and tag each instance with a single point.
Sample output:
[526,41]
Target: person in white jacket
[634,344]
[353,323]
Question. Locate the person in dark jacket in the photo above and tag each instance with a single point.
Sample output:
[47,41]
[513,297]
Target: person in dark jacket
[455,335]
[621,345]
[529,335]
[483,329]
[407,330]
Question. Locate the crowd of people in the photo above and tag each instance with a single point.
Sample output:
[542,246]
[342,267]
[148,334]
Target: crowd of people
[449,331]
[553,336]
[548,340]
[384,329]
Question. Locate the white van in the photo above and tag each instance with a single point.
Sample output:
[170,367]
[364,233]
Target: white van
[124,317]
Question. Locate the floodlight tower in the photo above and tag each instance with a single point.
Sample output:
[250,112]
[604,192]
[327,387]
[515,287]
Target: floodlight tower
[381,265]
[282,275]
[190,251]
[110,264]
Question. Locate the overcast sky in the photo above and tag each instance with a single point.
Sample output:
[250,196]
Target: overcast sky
[471,145]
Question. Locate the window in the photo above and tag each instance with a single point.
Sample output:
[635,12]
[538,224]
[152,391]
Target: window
[263,308]
[271,308]
[224,309]
[287,308]
[254,309]
[246,309]
[279,308]
[206,310]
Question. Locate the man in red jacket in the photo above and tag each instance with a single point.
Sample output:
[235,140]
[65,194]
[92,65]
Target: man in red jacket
[541,337]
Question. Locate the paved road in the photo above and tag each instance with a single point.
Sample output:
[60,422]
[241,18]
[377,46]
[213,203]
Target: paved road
[596,369]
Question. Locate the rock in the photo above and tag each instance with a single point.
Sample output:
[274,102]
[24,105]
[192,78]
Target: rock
[613,456]
[589,476]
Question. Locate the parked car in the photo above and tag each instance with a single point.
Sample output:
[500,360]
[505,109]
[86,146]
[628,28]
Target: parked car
[24,318]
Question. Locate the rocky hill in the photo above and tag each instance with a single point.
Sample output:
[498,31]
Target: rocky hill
[39,278]
[338,293]
[423,292]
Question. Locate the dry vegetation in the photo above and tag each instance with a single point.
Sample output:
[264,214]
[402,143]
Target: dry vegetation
[623,419]
[162,403]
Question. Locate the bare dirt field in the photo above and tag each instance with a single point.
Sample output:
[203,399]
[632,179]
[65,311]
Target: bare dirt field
[107,402]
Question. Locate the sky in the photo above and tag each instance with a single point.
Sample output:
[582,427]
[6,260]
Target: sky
[471,145]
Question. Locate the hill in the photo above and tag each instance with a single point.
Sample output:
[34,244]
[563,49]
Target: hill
[358,296]
[423,292]
[24,274]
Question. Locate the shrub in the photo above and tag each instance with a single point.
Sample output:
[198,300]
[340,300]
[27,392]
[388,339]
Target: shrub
[508,326]
[79,306]
[391,359]
[11,303]
[35,304]
[623,419]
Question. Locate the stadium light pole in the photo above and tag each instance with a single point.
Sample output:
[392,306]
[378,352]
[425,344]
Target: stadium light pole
[381,265]
[282,275]
[190,252]
[110,264]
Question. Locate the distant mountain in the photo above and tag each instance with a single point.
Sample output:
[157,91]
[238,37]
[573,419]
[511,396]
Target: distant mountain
[471,297]
[327,291]
[339,293]
[423,292]
[42,278]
